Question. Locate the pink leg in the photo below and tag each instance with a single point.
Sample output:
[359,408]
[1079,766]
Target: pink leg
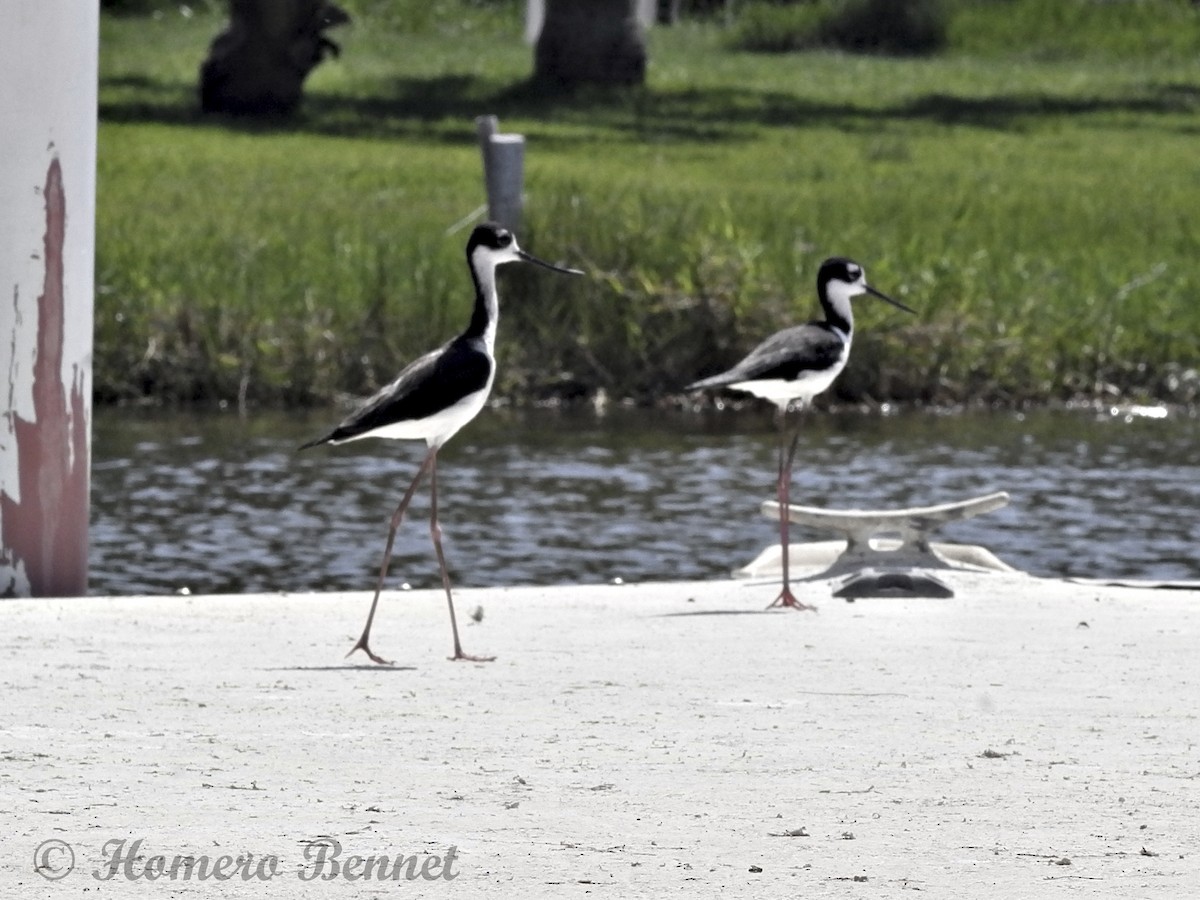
[435,531]
[786,598]
[397,518]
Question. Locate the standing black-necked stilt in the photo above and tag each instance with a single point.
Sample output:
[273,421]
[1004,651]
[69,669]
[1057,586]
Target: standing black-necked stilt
[434,397]
[796,364]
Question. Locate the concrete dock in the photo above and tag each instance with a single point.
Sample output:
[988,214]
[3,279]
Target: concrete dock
[1027,738]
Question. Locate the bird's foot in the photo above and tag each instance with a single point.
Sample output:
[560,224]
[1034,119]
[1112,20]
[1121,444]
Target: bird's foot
[459,656]
[361,644]
[788,600]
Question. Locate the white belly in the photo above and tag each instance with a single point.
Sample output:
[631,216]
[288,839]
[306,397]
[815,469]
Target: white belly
[441,426]
[782,392]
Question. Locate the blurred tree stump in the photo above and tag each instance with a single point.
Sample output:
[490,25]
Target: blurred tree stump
[590,41]
[258,64]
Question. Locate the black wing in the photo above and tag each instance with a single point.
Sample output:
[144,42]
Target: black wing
[783,355]
[426,386]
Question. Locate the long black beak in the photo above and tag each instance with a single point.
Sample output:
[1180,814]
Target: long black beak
[529,257]
[882,296]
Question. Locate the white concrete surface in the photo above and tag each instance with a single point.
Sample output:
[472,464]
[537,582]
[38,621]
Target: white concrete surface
[637,741]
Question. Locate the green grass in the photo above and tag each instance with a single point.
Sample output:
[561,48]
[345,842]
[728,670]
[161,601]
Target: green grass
[1035,202]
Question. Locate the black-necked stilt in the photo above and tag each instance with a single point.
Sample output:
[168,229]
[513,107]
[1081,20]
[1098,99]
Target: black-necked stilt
[434,397]
[796,364]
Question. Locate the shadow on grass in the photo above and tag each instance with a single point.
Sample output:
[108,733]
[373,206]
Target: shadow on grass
[444,108]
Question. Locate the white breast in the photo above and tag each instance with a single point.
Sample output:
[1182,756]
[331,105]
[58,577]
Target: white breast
[807,385]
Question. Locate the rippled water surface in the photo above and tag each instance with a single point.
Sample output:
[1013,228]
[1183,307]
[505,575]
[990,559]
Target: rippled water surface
[220,503]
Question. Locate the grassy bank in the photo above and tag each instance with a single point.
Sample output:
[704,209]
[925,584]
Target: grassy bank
[1034,199]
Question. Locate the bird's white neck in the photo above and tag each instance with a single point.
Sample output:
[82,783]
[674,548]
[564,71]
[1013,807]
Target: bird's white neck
[487,303]
[838,313]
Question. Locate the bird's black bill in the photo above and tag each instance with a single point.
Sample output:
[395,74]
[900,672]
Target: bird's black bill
[882,296]
[529,257]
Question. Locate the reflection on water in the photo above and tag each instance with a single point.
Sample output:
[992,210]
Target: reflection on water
[225,504]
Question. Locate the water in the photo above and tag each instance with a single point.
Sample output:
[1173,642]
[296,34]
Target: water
[219,503]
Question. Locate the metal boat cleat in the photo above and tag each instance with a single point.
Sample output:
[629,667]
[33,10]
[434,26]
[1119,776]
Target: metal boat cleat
[888,548]
[892,583]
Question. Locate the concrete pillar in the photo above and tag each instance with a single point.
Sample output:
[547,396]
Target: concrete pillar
[48,81]
[503,172]
[665,12]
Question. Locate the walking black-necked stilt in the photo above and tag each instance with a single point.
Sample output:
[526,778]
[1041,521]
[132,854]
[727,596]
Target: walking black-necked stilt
[796,364]
[434,397]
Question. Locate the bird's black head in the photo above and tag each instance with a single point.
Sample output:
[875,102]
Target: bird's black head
[840,279]
[493,244]
[490,236]
[838,268]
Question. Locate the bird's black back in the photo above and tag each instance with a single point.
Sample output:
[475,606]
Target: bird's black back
[811,347]
[426,386]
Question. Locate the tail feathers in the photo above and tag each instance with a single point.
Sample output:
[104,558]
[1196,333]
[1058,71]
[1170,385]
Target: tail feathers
[713,382]
[324,439]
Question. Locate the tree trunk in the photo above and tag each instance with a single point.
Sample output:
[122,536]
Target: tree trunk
[258,64]
[597,41]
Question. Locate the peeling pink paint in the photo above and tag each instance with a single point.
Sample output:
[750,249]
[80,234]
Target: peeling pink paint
[45,529]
